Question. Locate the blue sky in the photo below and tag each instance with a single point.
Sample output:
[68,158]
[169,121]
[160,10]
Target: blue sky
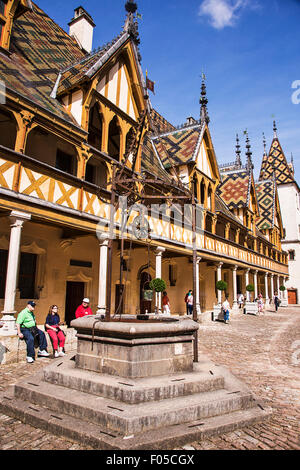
[249,51]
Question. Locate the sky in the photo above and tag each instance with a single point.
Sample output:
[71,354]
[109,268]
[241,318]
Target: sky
[249,51]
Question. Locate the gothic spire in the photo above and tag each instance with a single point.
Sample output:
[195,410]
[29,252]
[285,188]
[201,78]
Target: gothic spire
[238,161]
[204,118]
[265,144]
[275,129]
[249,153]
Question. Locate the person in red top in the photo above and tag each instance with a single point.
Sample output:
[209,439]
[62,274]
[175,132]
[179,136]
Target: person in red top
[83,309]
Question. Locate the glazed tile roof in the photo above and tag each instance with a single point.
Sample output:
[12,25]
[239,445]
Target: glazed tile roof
[87,67]
[159,123]
[39,50]
[235,188]
[277,162]
[266,195]
[151,162]
[178,145]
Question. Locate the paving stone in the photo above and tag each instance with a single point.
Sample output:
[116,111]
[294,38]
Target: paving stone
[264,364]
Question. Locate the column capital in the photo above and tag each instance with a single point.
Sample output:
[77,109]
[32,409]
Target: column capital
[272,275]
[103,238]
[219,265]
[266,274]
[159,250]
[18,218]
[199,258]
[248,270]
[235,268]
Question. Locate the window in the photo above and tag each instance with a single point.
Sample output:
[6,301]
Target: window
[64,162]
[27,275]
[3,269]
[292,256]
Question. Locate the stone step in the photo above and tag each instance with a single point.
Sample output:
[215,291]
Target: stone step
[99,437]
[205,378]
[127,418]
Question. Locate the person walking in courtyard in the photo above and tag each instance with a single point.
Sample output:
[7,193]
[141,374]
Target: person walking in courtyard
[276,301]
[57,336]
[166,304]
[27,330]
[226,310]
[241,300]
[190,302]
[260,303]
[186,301]
[84,309]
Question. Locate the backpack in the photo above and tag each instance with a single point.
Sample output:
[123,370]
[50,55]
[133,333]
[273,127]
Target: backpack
[186,297]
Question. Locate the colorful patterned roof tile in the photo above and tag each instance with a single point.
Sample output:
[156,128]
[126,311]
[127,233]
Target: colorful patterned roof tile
[151,161]
[235,188]
[276,162]
[159,123]
[266,194]
[178,145]
[39,50]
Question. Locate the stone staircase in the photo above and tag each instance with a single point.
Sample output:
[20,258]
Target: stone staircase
[107,412]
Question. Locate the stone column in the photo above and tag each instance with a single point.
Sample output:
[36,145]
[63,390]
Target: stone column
[219,278]
[255,285]
[267,290]
[247,283]
[284,295]
[102,275]
[272,287]
[234,284]
[158,262]
[197,296]
[17,222]
[278,288]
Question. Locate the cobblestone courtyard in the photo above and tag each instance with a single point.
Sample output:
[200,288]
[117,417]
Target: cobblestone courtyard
[262,351]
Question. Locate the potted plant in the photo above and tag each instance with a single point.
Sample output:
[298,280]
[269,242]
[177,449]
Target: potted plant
[284,302]
[251,308]
[158,285]
[217,313]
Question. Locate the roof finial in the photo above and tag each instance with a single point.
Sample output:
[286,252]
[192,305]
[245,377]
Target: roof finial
[204,118]
[238,161]
[275,129]
[131,25]
[265,144]
[292,158]
[249,153]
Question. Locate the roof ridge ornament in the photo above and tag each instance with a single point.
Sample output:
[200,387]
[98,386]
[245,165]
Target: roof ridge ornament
[275,130]
[131,24]
[238,161]
[204,118]
[250,165]
[264,144]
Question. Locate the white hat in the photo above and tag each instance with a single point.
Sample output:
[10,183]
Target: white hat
[87,301]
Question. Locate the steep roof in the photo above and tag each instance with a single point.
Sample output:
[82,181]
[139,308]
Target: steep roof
[178,145]
[276,162]
[235,188]
[266,194]
[39,50]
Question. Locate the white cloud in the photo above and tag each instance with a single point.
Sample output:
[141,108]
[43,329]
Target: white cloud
[222,13]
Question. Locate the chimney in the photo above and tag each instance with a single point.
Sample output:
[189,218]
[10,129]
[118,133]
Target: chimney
[82,28]
[190,121]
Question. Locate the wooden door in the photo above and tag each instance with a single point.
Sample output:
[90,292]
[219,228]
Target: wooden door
[74,297]
[292,296]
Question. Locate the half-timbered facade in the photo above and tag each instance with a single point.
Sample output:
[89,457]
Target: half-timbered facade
[69,120]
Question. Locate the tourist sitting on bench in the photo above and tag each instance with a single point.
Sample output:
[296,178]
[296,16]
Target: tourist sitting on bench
[56,335]
[27,330]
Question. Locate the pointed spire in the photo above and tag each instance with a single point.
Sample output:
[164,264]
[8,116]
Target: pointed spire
[292,158]
[131,24]
[249,153]
[265,144]
[204,118]
[238,161]
[275,129]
